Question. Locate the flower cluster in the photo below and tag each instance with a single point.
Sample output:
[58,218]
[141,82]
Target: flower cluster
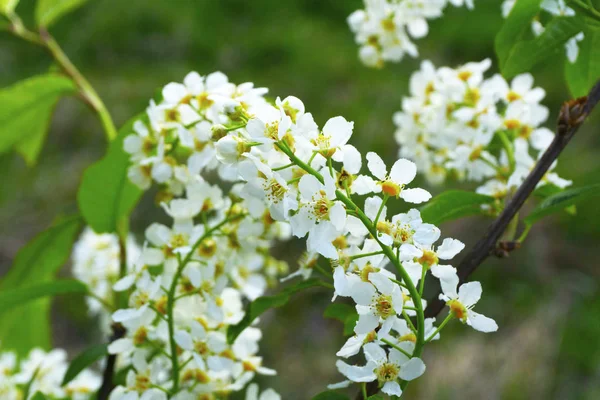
[290,177]
[458,123]
[385,28]
[557,8]
[96,262]
[43,372]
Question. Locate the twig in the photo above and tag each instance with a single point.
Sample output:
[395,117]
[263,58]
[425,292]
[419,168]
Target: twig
[109,369]
[572,115]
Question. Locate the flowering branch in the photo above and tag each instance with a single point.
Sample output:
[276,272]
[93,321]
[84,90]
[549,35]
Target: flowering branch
[572,115]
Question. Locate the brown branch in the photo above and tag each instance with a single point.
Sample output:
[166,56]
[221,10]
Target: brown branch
[109,369]
[572,115]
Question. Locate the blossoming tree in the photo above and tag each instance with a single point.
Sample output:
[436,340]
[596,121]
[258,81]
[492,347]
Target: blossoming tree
[236,171]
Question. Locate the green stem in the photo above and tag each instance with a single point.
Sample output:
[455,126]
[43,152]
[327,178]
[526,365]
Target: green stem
[387,250]
[422,282]
[89,94]
[508,147]
[363,387]
[171,296]
[444,322]
[521,238]
[322,270]
[385,199]
[374,253]
[400,349]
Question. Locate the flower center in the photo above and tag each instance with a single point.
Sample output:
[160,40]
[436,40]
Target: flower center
[387,372]
[384,307]
[456,308]
[390,188]
[275,191]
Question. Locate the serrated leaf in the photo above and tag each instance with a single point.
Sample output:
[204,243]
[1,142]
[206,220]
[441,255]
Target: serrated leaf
[14,298]
[453,204]
[562,200]
[262,304]
[8,6]
[106,196]
[330,395]
[26,327]
[84,360]
[49,11]
[27,107]
[585,72]
[516,27]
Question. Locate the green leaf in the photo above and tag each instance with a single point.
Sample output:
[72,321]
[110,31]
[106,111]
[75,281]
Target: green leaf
[8,6]
[84,360]
[330,395]
[28,326]
[262,304]
[526,54]
[13,298]
[39,396]
[583,74]
[453,204]
[106,196]
[350,324]
[344,313]
[376,397]
[48,11]
[26,110]
[562,200]
[339,311]
[515,28]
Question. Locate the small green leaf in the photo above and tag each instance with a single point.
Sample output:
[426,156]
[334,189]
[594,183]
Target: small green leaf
[27,107]
[39,396]
[350,324]
[106,196]
[330,395]
[453,204]
[562,200]
[8,6]
[583,74]
[339,311]
[515,28]
[26,327]
[84,360]
[14,298]
[262,304]
[48,11]
[376,397]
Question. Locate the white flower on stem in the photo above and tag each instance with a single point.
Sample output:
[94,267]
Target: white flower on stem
[264,183]
[140,379]
[199,341]
[461,305]
[332,141]
[319,214]
[377,303]
[393,184]
[386,369]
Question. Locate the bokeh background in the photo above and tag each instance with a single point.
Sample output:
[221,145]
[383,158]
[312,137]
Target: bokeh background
[545,297]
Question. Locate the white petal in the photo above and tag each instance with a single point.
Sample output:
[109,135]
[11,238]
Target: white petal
[366,323]
[364,185]
[184,340]
[403,171]
[449,248]
[415,196]
[309,186]
[382,282]
[376,166]
[481,322]
[339,129]
[352,159]
[413,369]
[392,389]
[426,234]
[469,293]
[374,352]
[337,215]
[352,346]
[355,373]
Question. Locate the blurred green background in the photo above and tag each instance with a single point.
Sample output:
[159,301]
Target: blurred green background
[544,297]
